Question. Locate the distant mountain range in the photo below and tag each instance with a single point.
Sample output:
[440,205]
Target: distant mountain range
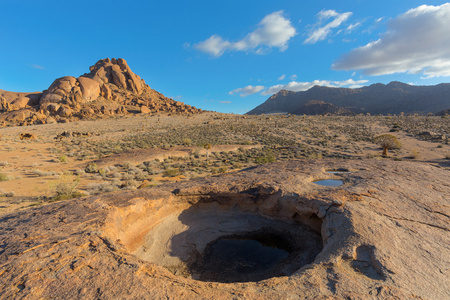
[393,98]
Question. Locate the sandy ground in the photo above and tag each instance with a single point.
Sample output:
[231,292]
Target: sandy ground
[26,162]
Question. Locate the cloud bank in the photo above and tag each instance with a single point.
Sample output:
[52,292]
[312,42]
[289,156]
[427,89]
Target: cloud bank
[417,41]
[274,31]
[295,87]
[303,86]
[322,29]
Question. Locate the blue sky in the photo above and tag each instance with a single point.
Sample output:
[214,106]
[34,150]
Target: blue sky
[227,56]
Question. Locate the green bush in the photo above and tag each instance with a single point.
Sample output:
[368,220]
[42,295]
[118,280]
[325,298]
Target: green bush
[91,168]
[4,177]
[65,188]
[267,158]
[171,172]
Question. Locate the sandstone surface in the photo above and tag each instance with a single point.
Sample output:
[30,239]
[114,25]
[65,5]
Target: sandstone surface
[384,234]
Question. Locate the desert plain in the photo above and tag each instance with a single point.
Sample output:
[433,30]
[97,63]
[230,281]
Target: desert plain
[127,206]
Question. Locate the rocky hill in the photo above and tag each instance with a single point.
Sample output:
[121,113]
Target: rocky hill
[393,98]
[110,88]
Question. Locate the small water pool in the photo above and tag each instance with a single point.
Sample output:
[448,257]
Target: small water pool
[329,182]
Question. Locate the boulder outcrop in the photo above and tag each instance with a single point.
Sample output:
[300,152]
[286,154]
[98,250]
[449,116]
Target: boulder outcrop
[382,234]
[110,84]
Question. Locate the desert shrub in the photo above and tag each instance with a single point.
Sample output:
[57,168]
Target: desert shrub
[3,163]
[415,154]
[91,168]
[80,172]
[171,172]
[8,194]
[65,188]
[187,142]
[63,158]
[102,172]
[41,173]
[105,187]
[127,165]
[266,158]
[4,177]
[223,169]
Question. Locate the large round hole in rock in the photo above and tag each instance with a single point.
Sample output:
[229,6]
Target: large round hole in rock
[210,242]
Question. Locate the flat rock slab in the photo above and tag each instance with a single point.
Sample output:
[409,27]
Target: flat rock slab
[385,235]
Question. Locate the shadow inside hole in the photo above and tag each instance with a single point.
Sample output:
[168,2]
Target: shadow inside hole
[231,246]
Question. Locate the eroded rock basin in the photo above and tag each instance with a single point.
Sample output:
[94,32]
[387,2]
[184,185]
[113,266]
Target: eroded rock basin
[209,243]
[384,235]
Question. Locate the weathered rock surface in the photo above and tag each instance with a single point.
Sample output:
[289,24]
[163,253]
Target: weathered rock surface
[110,84]
[10,101]
[385,235]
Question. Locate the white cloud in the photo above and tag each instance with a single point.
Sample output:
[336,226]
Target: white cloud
[303,86]
[274,30]
[352,27]
[225,102]
[35,66]
[320,31]
[215,45]
[417,41]
[282,77]
[293,77]
[248,90]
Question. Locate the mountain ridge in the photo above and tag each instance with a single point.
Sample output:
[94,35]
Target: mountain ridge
[393,98]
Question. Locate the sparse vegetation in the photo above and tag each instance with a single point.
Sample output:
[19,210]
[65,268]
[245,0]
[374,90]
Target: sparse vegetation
[65,188]
[235,142]
[91,168]
[4,177]
[415,154]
